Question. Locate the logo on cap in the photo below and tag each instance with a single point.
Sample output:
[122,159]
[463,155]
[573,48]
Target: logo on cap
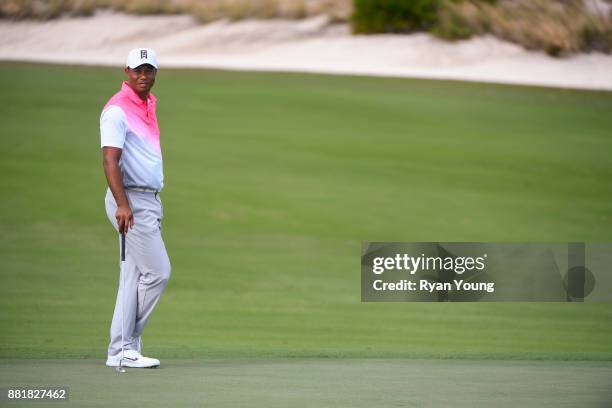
[143,54]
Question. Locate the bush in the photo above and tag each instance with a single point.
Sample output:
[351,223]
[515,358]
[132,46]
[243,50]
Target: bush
[453,20]
[393,16]
[597,36]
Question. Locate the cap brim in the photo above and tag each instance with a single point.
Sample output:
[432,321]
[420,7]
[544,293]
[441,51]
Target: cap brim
[144,63]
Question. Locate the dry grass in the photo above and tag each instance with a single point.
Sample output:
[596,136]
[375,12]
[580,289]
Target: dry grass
[204,10]
[145,6]
[240,9]
[39,9]
[210,10]
[559,27]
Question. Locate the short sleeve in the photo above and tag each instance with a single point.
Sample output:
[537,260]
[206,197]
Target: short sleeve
[112,127]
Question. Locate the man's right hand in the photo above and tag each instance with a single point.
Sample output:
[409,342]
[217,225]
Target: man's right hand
[125,218]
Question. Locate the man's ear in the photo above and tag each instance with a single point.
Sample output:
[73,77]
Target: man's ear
[126,70]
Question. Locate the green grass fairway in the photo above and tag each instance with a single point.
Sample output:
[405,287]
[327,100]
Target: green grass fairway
[350,383]
[272,182]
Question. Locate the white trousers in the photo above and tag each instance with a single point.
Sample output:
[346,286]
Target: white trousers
[146,269]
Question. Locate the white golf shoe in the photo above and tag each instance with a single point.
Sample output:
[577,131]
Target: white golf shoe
[132,359]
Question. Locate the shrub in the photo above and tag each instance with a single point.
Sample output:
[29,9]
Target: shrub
[454,20]
[393,16]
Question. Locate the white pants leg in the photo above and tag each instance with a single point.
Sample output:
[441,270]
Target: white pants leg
[146,270]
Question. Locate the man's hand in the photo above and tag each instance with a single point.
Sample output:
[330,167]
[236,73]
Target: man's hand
[125,218]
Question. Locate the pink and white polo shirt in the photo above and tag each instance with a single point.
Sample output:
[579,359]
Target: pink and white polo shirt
[129,123]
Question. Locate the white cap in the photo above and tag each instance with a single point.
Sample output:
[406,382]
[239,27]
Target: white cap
[139,56]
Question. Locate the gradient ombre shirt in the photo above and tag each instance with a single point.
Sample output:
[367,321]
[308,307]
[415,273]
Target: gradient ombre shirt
[129,123]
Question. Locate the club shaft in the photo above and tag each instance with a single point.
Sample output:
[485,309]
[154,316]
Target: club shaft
[122,291]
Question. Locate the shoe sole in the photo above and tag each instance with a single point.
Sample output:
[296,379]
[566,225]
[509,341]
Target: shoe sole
[127,365]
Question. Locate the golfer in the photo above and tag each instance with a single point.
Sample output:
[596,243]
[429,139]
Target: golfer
[133,167]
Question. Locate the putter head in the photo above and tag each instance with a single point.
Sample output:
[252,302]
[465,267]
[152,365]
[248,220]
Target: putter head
[120,368]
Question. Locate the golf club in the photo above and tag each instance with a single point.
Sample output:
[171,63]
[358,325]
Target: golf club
[120,368]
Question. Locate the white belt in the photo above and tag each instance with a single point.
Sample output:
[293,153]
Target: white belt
[142,189]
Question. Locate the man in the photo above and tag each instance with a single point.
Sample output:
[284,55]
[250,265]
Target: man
[133,168]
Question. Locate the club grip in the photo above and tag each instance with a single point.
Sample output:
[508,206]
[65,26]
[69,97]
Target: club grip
[122,246]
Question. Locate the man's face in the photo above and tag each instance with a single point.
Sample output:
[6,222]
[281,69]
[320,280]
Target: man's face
[141,78]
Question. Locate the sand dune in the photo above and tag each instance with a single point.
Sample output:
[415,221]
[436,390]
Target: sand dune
[311,45]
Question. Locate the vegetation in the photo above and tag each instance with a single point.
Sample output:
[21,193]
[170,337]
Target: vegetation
[393,16]
[204,10]
[559,27]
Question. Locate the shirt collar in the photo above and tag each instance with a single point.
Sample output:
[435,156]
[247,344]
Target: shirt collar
[133,96]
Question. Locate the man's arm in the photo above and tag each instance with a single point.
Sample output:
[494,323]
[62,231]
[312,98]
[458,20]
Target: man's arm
[124,216]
